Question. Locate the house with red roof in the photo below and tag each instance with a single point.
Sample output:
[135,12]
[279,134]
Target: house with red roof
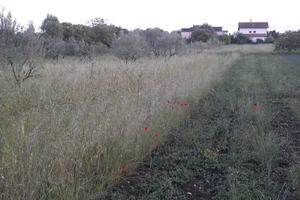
[254,30]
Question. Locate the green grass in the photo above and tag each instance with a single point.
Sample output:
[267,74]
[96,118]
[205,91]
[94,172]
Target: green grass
[226,150]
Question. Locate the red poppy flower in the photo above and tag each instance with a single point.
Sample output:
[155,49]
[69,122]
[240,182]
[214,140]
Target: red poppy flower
[156,134]
[146,128]
[184,104]
[256,107]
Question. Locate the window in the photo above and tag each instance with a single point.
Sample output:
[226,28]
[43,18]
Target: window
[254,31]
[249,31]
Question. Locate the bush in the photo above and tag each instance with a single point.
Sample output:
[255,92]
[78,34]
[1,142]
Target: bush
[259,41]
[226,39]
[269,39]
[288,41]
[240,39]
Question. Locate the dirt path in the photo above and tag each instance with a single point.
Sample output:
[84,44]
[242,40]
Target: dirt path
[241,143]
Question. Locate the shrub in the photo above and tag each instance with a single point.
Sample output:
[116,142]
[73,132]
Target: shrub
[259,41]
[225,39]
[269,39]
[288,41]
[240,39]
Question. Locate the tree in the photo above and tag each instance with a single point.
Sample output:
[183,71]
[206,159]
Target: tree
[67,30]
[51,27]
[273,34]
[130,46]
[163,43]
[202,35]
[152,37]
[101,32]
[19,51]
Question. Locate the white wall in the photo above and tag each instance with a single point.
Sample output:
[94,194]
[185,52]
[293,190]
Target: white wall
[186,35]
[258,30]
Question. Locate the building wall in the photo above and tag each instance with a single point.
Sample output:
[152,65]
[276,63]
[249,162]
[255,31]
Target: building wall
[257,30]
[221,33]
[186,35]
[246,31]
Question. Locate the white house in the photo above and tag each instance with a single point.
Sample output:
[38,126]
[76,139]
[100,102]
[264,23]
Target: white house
[254,30]
[187,32]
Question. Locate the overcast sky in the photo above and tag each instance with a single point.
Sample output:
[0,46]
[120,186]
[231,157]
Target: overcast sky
[166,14]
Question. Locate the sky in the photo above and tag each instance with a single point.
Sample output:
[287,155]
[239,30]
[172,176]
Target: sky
[165,14]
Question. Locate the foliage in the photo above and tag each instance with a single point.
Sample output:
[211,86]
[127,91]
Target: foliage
[131,46]
[274,34]
[288,41]
[240,39]
[226,39]
[19,50]
[259,41]
[269,39]
[163,43]
[51,27]
[202,35]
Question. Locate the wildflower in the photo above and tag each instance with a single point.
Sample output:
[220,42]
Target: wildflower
[256,107]
[171,102]
[184,104]
[146,128]
[156,134]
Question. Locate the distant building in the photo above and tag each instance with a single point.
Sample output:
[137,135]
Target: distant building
[219,30]
[254,30]
[187,32]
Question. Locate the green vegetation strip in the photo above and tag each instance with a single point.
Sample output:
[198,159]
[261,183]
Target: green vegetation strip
[228,148]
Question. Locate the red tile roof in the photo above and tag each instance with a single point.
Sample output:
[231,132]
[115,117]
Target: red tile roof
[253,25]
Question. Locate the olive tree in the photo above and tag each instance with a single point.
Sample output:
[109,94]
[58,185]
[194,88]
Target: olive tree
[163,43]
[130,46]
[19,50]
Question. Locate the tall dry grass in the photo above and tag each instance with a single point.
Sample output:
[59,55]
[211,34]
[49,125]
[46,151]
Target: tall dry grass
[73,129]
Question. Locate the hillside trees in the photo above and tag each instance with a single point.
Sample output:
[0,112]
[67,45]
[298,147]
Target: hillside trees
[19,50]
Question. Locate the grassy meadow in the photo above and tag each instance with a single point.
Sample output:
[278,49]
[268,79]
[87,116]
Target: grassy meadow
[77,125]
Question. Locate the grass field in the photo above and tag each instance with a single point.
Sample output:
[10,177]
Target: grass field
[229,149]
[74,128]
[78,129]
